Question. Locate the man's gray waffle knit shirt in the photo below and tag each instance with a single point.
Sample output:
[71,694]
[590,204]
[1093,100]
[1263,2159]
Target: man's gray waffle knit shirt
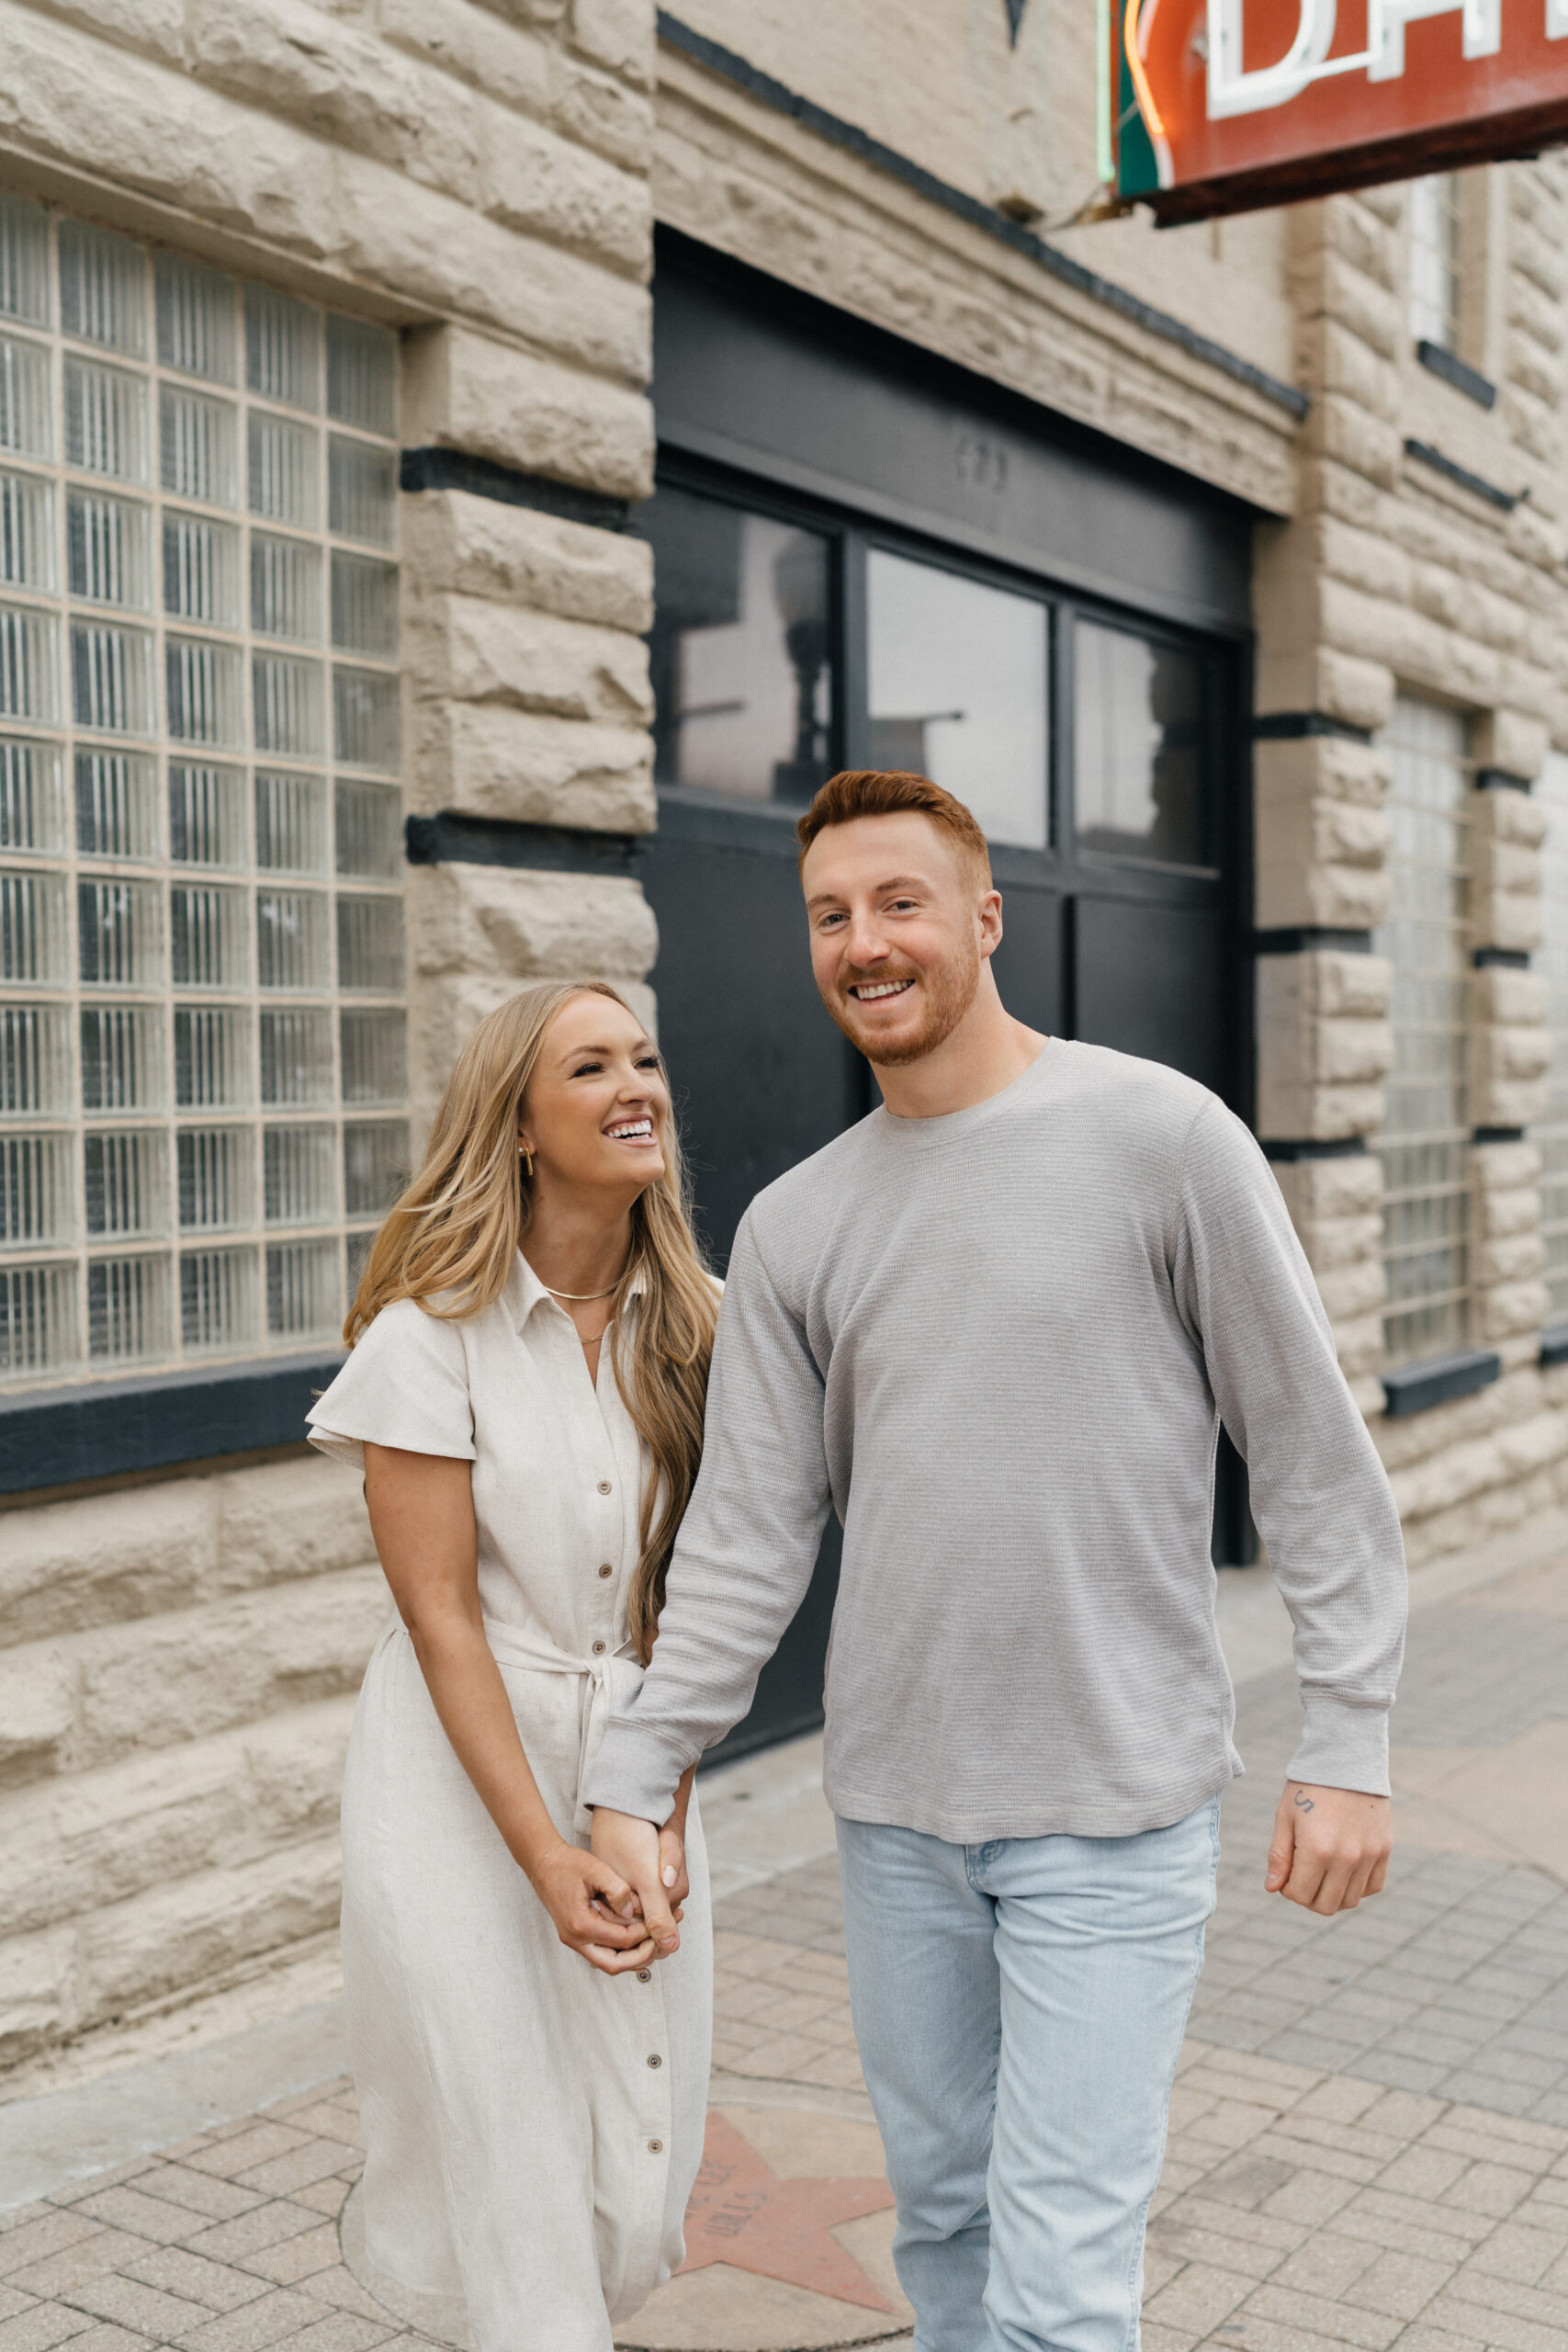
[999,1343]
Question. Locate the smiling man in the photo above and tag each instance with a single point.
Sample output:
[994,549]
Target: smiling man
[995,1326]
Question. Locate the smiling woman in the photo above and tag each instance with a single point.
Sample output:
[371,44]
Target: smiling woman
[531,1344]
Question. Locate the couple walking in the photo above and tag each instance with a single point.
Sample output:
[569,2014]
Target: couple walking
[995,1327]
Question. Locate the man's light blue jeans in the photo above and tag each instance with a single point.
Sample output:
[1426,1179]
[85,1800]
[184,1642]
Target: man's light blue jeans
[1020,2008]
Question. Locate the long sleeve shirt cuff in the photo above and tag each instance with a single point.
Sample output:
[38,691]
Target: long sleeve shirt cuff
[636,1771]
[1344,1745]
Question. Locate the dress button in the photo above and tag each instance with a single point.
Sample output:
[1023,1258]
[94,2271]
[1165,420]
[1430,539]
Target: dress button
[598,1649]
[603,1485]
[645,1976]
[605,1569]
[656,2147]
[656,2060]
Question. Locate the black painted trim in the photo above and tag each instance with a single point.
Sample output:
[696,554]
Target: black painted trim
[1497,1134]
[1554,1344]
[1468,381]
[1423,452]
[1300,942]
[733,68]
[1287,1150]
[1419,1387]
[432,468]
[452,839]
[1502,780]
[1291,726]
[1504,959]
[61,1437]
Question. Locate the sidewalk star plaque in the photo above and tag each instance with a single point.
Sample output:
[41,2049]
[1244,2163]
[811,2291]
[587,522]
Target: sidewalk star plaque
[742,2213]
[1222,106]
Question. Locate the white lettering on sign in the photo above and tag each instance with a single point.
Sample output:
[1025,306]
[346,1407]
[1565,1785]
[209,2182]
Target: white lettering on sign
[1233,90]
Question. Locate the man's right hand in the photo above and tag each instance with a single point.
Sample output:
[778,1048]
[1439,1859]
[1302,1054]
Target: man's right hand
[631,1847]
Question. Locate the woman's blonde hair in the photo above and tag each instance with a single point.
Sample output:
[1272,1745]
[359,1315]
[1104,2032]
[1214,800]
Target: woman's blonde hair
[450,1241]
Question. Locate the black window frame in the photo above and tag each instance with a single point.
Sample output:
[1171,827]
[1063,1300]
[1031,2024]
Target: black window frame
[1061,865]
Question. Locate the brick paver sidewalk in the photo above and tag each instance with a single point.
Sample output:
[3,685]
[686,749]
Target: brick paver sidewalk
[1369,2137]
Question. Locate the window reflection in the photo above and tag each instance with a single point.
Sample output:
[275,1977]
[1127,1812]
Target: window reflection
[1137,776]
[958,690]
[742,667]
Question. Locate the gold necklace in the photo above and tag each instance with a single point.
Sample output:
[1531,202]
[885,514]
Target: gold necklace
[578,1297]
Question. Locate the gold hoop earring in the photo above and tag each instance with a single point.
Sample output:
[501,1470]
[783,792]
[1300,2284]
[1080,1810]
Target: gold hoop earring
[527,1158]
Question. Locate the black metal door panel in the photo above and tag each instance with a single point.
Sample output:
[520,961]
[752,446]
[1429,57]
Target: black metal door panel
[761,1078]
[1149,980]
[1028,964]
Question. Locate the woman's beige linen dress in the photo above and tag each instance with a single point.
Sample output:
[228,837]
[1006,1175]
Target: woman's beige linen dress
[532,2127]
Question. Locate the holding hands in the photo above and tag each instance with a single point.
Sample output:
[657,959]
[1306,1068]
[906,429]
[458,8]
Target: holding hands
[652,1863]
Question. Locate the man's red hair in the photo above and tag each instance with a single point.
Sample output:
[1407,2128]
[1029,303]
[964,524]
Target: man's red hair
[887,792]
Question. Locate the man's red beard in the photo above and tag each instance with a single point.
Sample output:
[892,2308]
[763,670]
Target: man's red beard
[949,990]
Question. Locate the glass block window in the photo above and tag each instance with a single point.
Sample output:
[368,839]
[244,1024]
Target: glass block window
[1425,1141]
[1435,260]
[202,1025]
[1552,1135]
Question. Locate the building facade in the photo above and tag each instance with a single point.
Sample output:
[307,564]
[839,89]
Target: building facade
[466,472]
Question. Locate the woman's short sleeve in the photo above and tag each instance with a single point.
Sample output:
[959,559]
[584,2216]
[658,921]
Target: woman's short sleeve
[406,1384]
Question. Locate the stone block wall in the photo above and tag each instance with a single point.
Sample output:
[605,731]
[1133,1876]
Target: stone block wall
[1396,574]
[178,1661]
[178,1665]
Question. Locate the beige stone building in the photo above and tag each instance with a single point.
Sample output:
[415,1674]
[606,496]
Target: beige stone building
[353,674]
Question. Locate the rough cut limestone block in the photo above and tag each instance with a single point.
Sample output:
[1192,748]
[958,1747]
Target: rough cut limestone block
[1511,1103]
[1458,1471]
[70,1564]
[1341,429]
[515,555]
[1510,1258]
[154,1682]
[1511,1212]
[339,83]
[464,390]
[1359,1344]
[1513,820]
[69,1846]
[1336,1242]
[1514,1307]
[1322,1191]
[1370,559]
[617,33]
[493,760]
[1322,1043]
[1350,1291]
[526,926]
[520,68]
[190,1928]
[1336,358]
[1502,1057]
[1321,837]
[39,1992]
[38,1711]
[473,650]
[531,179]
[1504,1166]
[1514,999]
[289,1519]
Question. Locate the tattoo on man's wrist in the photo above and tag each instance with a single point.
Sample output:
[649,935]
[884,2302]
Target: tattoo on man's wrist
[1303,1801]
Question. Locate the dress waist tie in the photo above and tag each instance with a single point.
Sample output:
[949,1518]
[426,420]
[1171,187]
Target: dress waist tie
[609,1682]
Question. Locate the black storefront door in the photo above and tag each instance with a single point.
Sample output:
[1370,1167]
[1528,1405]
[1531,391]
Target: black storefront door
[863,558]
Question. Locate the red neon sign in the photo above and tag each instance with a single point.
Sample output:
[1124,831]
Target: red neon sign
[1224,105]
